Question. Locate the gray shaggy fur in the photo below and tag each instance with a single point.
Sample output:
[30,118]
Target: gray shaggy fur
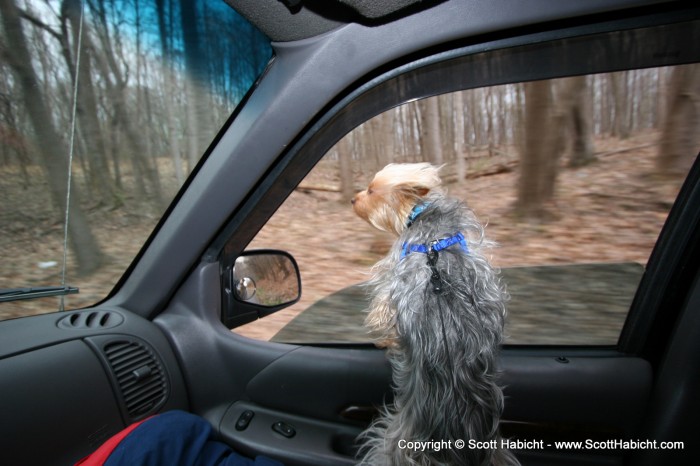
[444,362]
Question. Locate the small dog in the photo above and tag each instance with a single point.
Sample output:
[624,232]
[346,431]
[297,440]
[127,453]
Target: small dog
[439,308]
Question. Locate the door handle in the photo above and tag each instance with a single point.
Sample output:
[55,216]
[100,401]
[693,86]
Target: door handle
[362,413]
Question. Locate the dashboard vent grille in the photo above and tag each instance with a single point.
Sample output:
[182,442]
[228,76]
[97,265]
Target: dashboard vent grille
[91,320]
[139,376]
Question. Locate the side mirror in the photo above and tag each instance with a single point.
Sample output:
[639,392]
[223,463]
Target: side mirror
[259,283]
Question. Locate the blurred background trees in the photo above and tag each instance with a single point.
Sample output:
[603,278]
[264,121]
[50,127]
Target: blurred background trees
[681,128]
[156,80]
[535,128]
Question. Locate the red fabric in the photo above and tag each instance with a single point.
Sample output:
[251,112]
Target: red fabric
[99,456]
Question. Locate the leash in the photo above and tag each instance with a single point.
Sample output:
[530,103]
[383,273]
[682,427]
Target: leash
[432,250]
[437,288]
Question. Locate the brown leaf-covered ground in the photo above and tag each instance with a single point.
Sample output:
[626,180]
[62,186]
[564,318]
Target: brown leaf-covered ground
[609,211]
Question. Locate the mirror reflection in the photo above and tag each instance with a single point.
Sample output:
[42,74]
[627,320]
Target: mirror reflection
[266,278]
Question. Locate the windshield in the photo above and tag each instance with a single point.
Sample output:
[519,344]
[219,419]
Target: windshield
[117,99]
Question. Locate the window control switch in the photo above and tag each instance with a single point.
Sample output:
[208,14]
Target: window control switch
[244,419]
[284,429]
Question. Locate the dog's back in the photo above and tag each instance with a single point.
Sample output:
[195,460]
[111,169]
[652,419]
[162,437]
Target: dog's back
[448,314]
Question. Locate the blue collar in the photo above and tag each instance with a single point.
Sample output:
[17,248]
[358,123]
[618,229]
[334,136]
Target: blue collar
[436,246]
[415,212]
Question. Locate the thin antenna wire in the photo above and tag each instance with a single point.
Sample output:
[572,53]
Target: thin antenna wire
[71,150]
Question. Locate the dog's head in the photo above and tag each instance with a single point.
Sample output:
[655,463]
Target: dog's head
[392,194]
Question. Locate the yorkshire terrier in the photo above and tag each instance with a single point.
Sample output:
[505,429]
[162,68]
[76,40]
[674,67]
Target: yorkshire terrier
[438,307]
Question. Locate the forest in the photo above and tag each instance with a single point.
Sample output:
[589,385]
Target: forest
[129,95]
[149,82]
[572,177]
[535,125]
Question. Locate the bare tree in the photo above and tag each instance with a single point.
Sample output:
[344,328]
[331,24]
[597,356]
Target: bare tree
[620,86]
[577,108]
[51,147]
[87,111]
[382,127]
[447,126]
[679,140]
[12,142]
[344,152]
[169,82]
[145,170]
[197,110]
[540,152]
[431,143]
[459,141]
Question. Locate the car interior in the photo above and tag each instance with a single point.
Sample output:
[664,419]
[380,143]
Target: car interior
[166,337]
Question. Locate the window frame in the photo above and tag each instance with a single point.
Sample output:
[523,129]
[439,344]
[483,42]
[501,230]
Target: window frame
[452,67]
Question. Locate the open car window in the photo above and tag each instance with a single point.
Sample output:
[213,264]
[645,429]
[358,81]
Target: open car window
[574,178]
[132,93]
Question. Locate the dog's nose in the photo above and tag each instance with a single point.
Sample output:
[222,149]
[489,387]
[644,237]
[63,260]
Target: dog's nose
[352,201]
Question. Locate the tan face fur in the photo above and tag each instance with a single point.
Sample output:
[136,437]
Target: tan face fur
[393,193]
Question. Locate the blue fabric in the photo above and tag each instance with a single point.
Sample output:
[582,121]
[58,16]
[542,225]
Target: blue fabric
[437,246]
[178,438]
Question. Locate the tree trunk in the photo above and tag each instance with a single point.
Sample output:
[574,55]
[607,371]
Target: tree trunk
[447,127]
[382,140]
[540,154]
[195,61]
[459,142]
[431,144]
[171,90]
[579,110]
[621,126]
[679,140]
[344,151]
[145,170]
[146,174]
[87,113]
[50,146]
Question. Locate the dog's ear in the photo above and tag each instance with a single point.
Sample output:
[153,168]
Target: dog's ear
[410,181]
[422,191]
[415,191]
[423,178]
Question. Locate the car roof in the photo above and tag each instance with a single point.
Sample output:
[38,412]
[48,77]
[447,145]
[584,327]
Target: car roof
[287,20]
[291,20]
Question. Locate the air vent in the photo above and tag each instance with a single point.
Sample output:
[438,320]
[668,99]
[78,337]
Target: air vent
[140,377]
[91,320]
